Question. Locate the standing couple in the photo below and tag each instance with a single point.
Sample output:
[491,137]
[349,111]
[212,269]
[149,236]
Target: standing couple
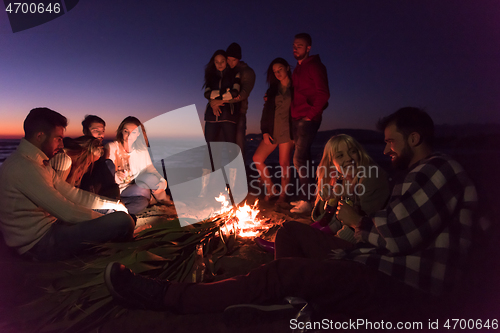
[228,83]
[292,115]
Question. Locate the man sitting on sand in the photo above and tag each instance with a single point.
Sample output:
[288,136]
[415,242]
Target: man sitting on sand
[414,247]
[41,216]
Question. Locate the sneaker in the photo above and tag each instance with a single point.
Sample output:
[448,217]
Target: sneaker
[243,315]
[302,207]
[135,290]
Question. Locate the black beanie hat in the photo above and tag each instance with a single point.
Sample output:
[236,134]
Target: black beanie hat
[234,50]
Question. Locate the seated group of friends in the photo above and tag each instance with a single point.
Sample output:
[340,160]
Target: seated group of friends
[61,196]
[121,169]
[368,246]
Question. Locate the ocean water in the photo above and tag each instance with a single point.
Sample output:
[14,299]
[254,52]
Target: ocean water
[191,154]
[7,147]
[176,154]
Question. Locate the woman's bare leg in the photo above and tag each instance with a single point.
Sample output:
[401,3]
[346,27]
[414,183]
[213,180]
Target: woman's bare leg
[285,150]
[262,152]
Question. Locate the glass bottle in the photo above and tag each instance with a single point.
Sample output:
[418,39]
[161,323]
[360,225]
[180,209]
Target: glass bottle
[198,270]
[330,206]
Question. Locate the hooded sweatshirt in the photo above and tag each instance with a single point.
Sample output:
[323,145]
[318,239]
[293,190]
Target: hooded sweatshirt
[311,92]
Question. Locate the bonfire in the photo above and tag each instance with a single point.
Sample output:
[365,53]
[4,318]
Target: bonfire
[242,220]
[77,299]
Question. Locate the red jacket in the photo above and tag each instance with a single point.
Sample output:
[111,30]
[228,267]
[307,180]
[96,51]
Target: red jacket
[310,89]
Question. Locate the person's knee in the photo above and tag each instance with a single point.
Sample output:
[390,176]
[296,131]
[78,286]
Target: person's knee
[111,166]
[257,160]
[136,204]
[300,155]
[296,161]
[124,224]
[288,228]
[291,225]
[285,166]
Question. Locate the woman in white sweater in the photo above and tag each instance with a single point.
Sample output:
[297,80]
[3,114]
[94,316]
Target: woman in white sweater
[134,170]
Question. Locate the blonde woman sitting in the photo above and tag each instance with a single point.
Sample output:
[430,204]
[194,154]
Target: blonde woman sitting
[346,172]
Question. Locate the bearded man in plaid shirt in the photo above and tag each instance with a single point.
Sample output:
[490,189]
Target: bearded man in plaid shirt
[413,248]
[422,236]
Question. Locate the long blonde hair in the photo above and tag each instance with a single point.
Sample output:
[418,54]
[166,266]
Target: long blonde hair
[82,152]
[327,173]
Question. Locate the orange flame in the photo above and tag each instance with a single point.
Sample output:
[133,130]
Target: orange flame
[242,220]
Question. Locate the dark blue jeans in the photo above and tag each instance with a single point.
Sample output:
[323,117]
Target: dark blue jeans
[304,133]
[222,131]
[135,198]
[303,270]
[241,128]
[333,286]
[64,240]
[299,240]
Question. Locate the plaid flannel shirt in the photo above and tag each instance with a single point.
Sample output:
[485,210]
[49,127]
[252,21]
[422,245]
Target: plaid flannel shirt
[423,235]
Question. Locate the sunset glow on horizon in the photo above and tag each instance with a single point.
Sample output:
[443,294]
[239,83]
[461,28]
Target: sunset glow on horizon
[147,59]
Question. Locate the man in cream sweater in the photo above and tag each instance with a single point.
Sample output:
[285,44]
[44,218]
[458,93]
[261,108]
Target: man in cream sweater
[41,216]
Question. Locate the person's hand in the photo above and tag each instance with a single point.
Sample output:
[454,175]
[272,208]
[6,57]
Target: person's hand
[237,98]
[268,140]
[216,111]
[306,119]
[347,215]
[216,104]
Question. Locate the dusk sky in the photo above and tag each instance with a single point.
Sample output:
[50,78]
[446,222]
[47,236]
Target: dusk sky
[145,58]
